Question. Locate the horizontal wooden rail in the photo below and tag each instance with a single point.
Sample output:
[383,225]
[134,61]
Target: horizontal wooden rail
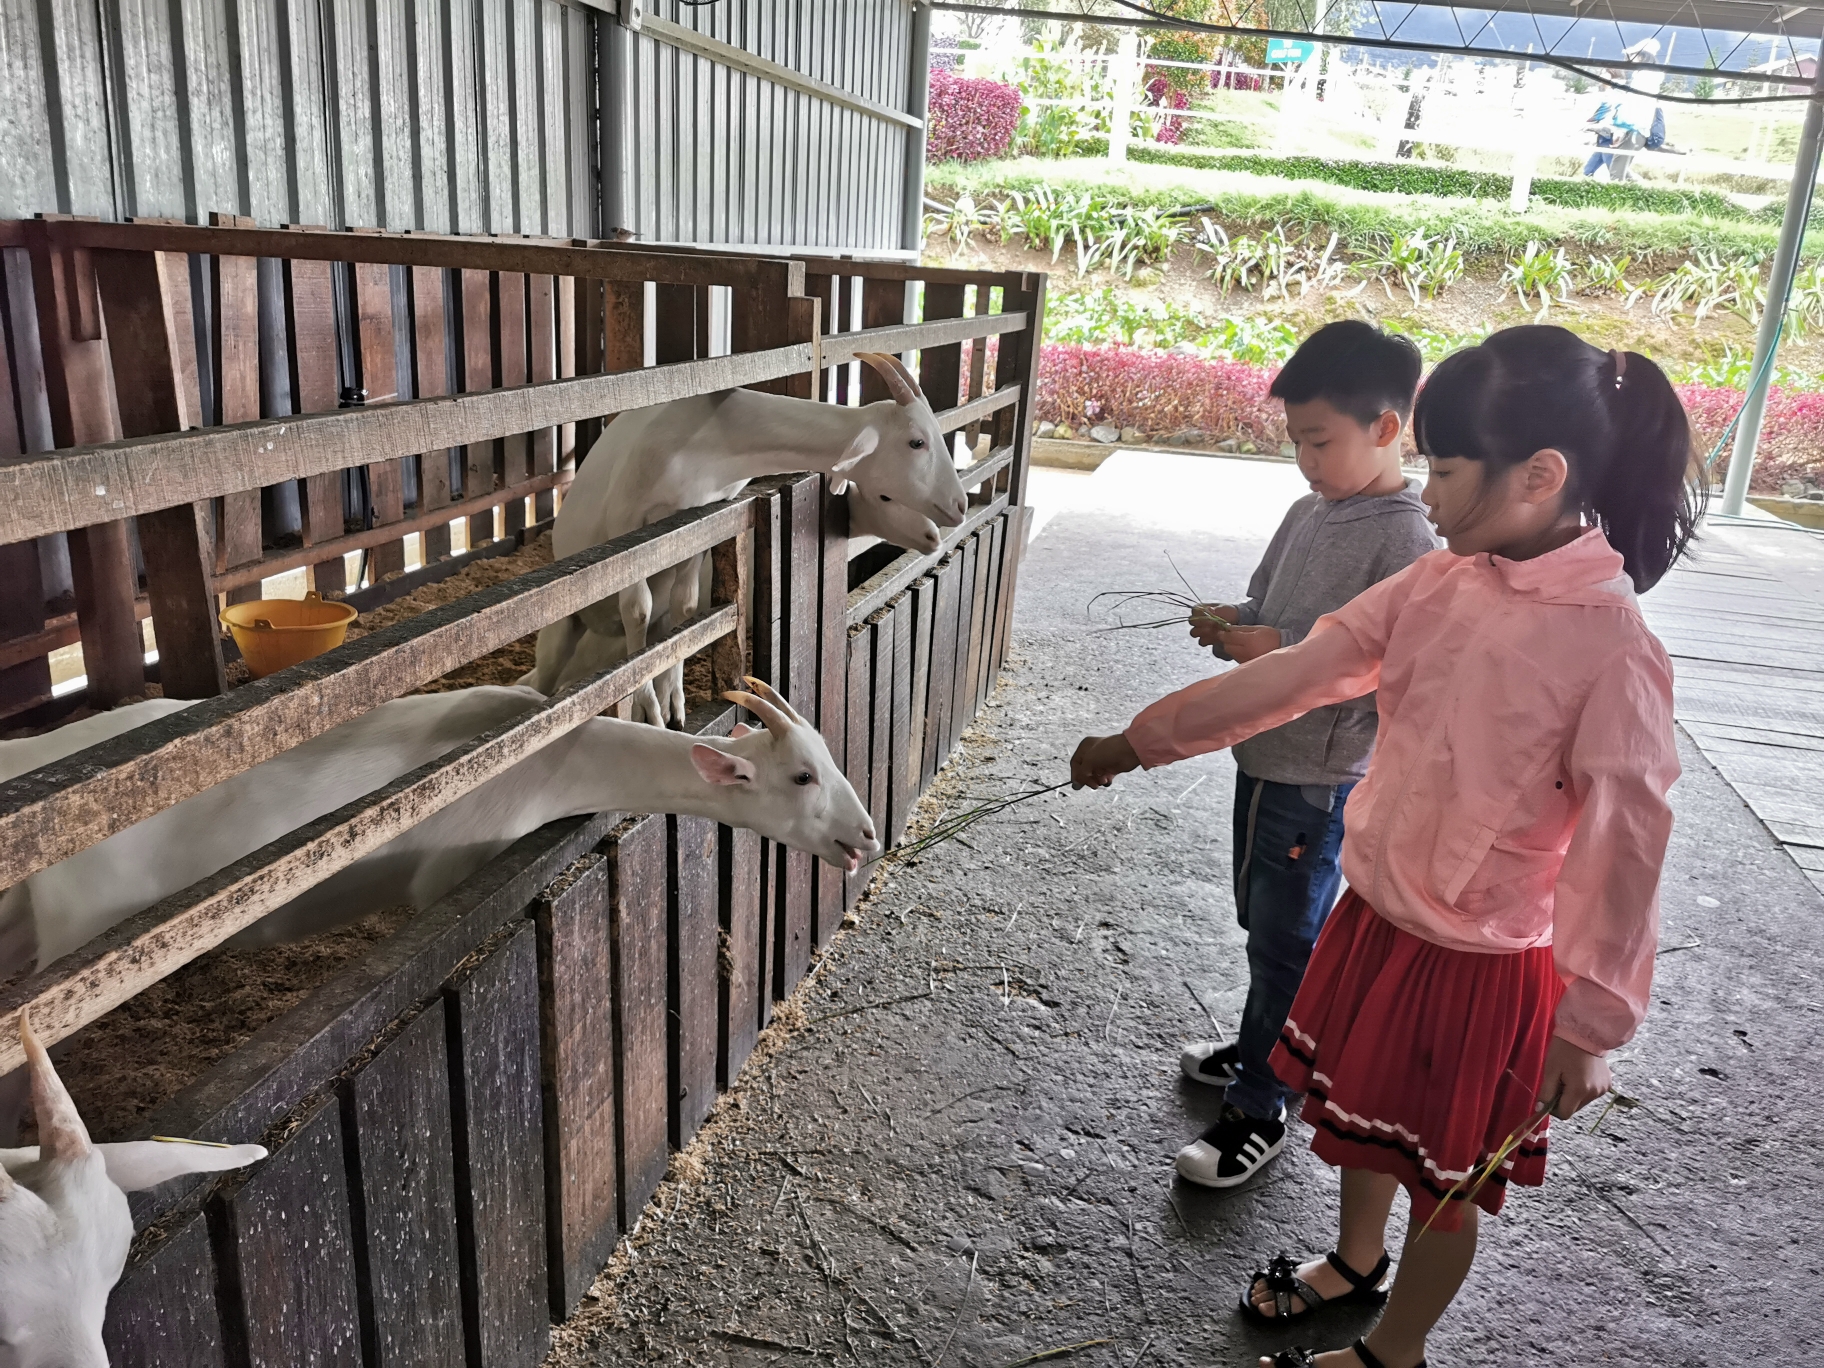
[371,537]
[85,985]
[547,257]
[841,348]
[56,633]
[56,810]
[869,597]
[907,270]
[59,491]
[977,409]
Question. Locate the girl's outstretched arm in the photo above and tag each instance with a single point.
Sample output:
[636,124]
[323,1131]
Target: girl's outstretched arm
[1605,918]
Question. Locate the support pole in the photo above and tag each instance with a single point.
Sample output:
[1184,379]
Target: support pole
[1779,283]
[1121,122]
[918,105]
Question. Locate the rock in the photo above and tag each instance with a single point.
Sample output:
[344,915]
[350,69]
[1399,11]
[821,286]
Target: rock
[1228,444]
[1249,449]
[1287,450]
[1183,349]
[1062,432]
[1793,489]
[1104,434]
[1130,435]
[1188,437]
[1045,429]
[1815,496]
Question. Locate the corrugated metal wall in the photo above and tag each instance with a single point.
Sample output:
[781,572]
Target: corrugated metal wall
[469,116]
[716,155]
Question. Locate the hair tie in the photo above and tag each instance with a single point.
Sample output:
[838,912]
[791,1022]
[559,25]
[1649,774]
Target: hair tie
[1621,365]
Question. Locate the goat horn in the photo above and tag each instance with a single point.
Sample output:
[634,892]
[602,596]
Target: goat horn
[61,1133]
[773,696]
[775,721]
[899,380]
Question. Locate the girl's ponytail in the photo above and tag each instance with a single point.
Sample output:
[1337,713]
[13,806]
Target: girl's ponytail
[1613,415]
[1648,495]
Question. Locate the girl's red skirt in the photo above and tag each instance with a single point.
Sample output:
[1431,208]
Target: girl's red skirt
[1420,1061]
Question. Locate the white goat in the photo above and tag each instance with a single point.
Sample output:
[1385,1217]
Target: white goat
[782,782]
[652,462]
[64,1225]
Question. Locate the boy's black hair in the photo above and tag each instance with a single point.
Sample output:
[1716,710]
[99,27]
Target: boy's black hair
[1354,367]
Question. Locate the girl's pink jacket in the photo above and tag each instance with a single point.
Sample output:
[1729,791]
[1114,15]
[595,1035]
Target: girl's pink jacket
[1517,792]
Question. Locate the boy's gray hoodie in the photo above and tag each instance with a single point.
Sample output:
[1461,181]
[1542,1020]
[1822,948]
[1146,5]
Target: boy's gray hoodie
[1323,555]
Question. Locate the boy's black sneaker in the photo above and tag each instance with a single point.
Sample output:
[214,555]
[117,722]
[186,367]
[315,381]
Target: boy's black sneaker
[1208,1061]
[1234,1149]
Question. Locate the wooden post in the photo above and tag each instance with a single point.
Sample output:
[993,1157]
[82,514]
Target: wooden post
[510,358]
[741,995]
[902,778]
[675,322]
[235,331]
[373,309]
[163,1311]
[940,369]
[729,583]
[801,523]
[310,321]
[832,681]
[1017,362]
[80,394]
[589,309]
[636,918]
[860,737]
[431,380]
[541,338]
[476,359]
[692,993]
[21,583]
[883,304]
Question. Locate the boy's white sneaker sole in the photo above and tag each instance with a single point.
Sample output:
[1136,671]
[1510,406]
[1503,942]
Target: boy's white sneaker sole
[1232,1151]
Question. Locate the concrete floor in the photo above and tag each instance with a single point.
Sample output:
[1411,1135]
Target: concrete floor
[964,1158]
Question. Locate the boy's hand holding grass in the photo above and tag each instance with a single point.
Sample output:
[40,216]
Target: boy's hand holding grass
[1214,625]
[1210,620]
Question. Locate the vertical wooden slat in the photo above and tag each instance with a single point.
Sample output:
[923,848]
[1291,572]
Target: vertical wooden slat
[21,581]
[883,302]
[493,1018]
[730,582]
[591,313]
[1019,524]
[832,681]
[235,335]
[576,979]
[283,1237]
[942,672]
[481,459]
[567,449]
[940,369]
[691,975]
[923,596]
[396,1125]
[1017,361]
[541,339]
[637,916]
[379,363]
[739,978]
[968,620]
[509,300]
[801,519]
[993,536]
[80,399]
[310,319]
[858,695]
[431,380]
[162,1311]
[819,286]
[902,778]
[675,310]
[880,719]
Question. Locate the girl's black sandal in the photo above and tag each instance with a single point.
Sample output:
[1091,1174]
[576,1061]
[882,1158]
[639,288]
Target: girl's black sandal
[1282,1280]
[1300,1357]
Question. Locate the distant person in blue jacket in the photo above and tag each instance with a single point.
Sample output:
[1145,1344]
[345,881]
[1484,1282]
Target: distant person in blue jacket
[1629,119]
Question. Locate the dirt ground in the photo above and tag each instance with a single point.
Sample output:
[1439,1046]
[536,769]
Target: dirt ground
[958,1151]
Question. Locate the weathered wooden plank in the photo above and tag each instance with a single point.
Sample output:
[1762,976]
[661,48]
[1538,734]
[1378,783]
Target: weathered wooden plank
[431,380]
[880,723]
[1018,363]
[891,580]
[27,682]
[162,1312]
[1019,524]
[940,369]
[942,686]
[741,973]
[396,1124]
[968,692]
[923,595]
[283,1236]
[380,378]
[92,981]
[499,1121]
[676,325]
[857,702]
[801,518]
[831,896]
[475,360]
[692,976]
[636,916]
[235,354]
[542,345]
[510,368]
[983,671]
[310,322]
[902,778]
[78,397]
[576,975]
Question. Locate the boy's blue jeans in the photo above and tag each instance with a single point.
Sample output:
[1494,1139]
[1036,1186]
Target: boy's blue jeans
[1286,881]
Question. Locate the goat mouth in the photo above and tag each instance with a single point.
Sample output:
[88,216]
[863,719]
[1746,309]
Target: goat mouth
[851,857]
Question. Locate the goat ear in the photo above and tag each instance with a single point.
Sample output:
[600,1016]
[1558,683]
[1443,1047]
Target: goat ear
[147,1163]
[719,767]
[862,445]
[741,730]
[61,1133]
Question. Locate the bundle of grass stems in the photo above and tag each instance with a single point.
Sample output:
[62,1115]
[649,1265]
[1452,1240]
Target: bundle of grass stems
[951,825]
[1189,605]
[1479,1174]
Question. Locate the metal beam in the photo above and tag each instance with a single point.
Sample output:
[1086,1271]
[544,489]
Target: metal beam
[1779,285]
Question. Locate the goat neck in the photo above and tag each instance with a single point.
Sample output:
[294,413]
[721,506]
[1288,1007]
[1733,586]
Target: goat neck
[615,766]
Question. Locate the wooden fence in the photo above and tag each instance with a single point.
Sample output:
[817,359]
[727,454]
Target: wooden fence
[466,1120]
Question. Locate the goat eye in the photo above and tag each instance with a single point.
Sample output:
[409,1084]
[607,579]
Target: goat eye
[918,444]
[803,778]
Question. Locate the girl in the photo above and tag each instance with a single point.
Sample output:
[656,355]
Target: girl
[1503,852]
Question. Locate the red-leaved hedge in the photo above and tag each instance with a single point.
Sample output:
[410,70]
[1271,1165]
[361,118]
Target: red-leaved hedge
[1160,393]
[969,118]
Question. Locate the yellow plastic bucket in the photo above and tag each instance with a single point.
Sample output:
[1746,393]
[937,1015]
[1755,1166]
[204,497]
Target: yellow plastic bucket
[276,633]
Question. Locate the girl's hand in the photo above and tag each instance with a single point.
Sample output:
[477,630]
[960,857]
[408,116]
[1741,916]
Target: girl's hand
[1099,759]
[1249,643]
[1210,620]
[1575,1077]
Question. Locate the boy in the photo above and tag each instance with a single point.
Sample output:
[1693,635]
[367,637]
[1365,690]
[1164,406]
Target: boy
[1348,391]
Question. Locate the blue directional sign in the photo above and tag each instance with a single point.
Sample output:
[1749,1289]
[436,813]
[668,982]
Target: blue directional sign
[1289,50]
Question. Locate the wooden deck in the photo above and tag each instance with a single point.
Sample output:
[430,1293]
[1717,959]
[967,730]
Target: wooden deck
[1744,622]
